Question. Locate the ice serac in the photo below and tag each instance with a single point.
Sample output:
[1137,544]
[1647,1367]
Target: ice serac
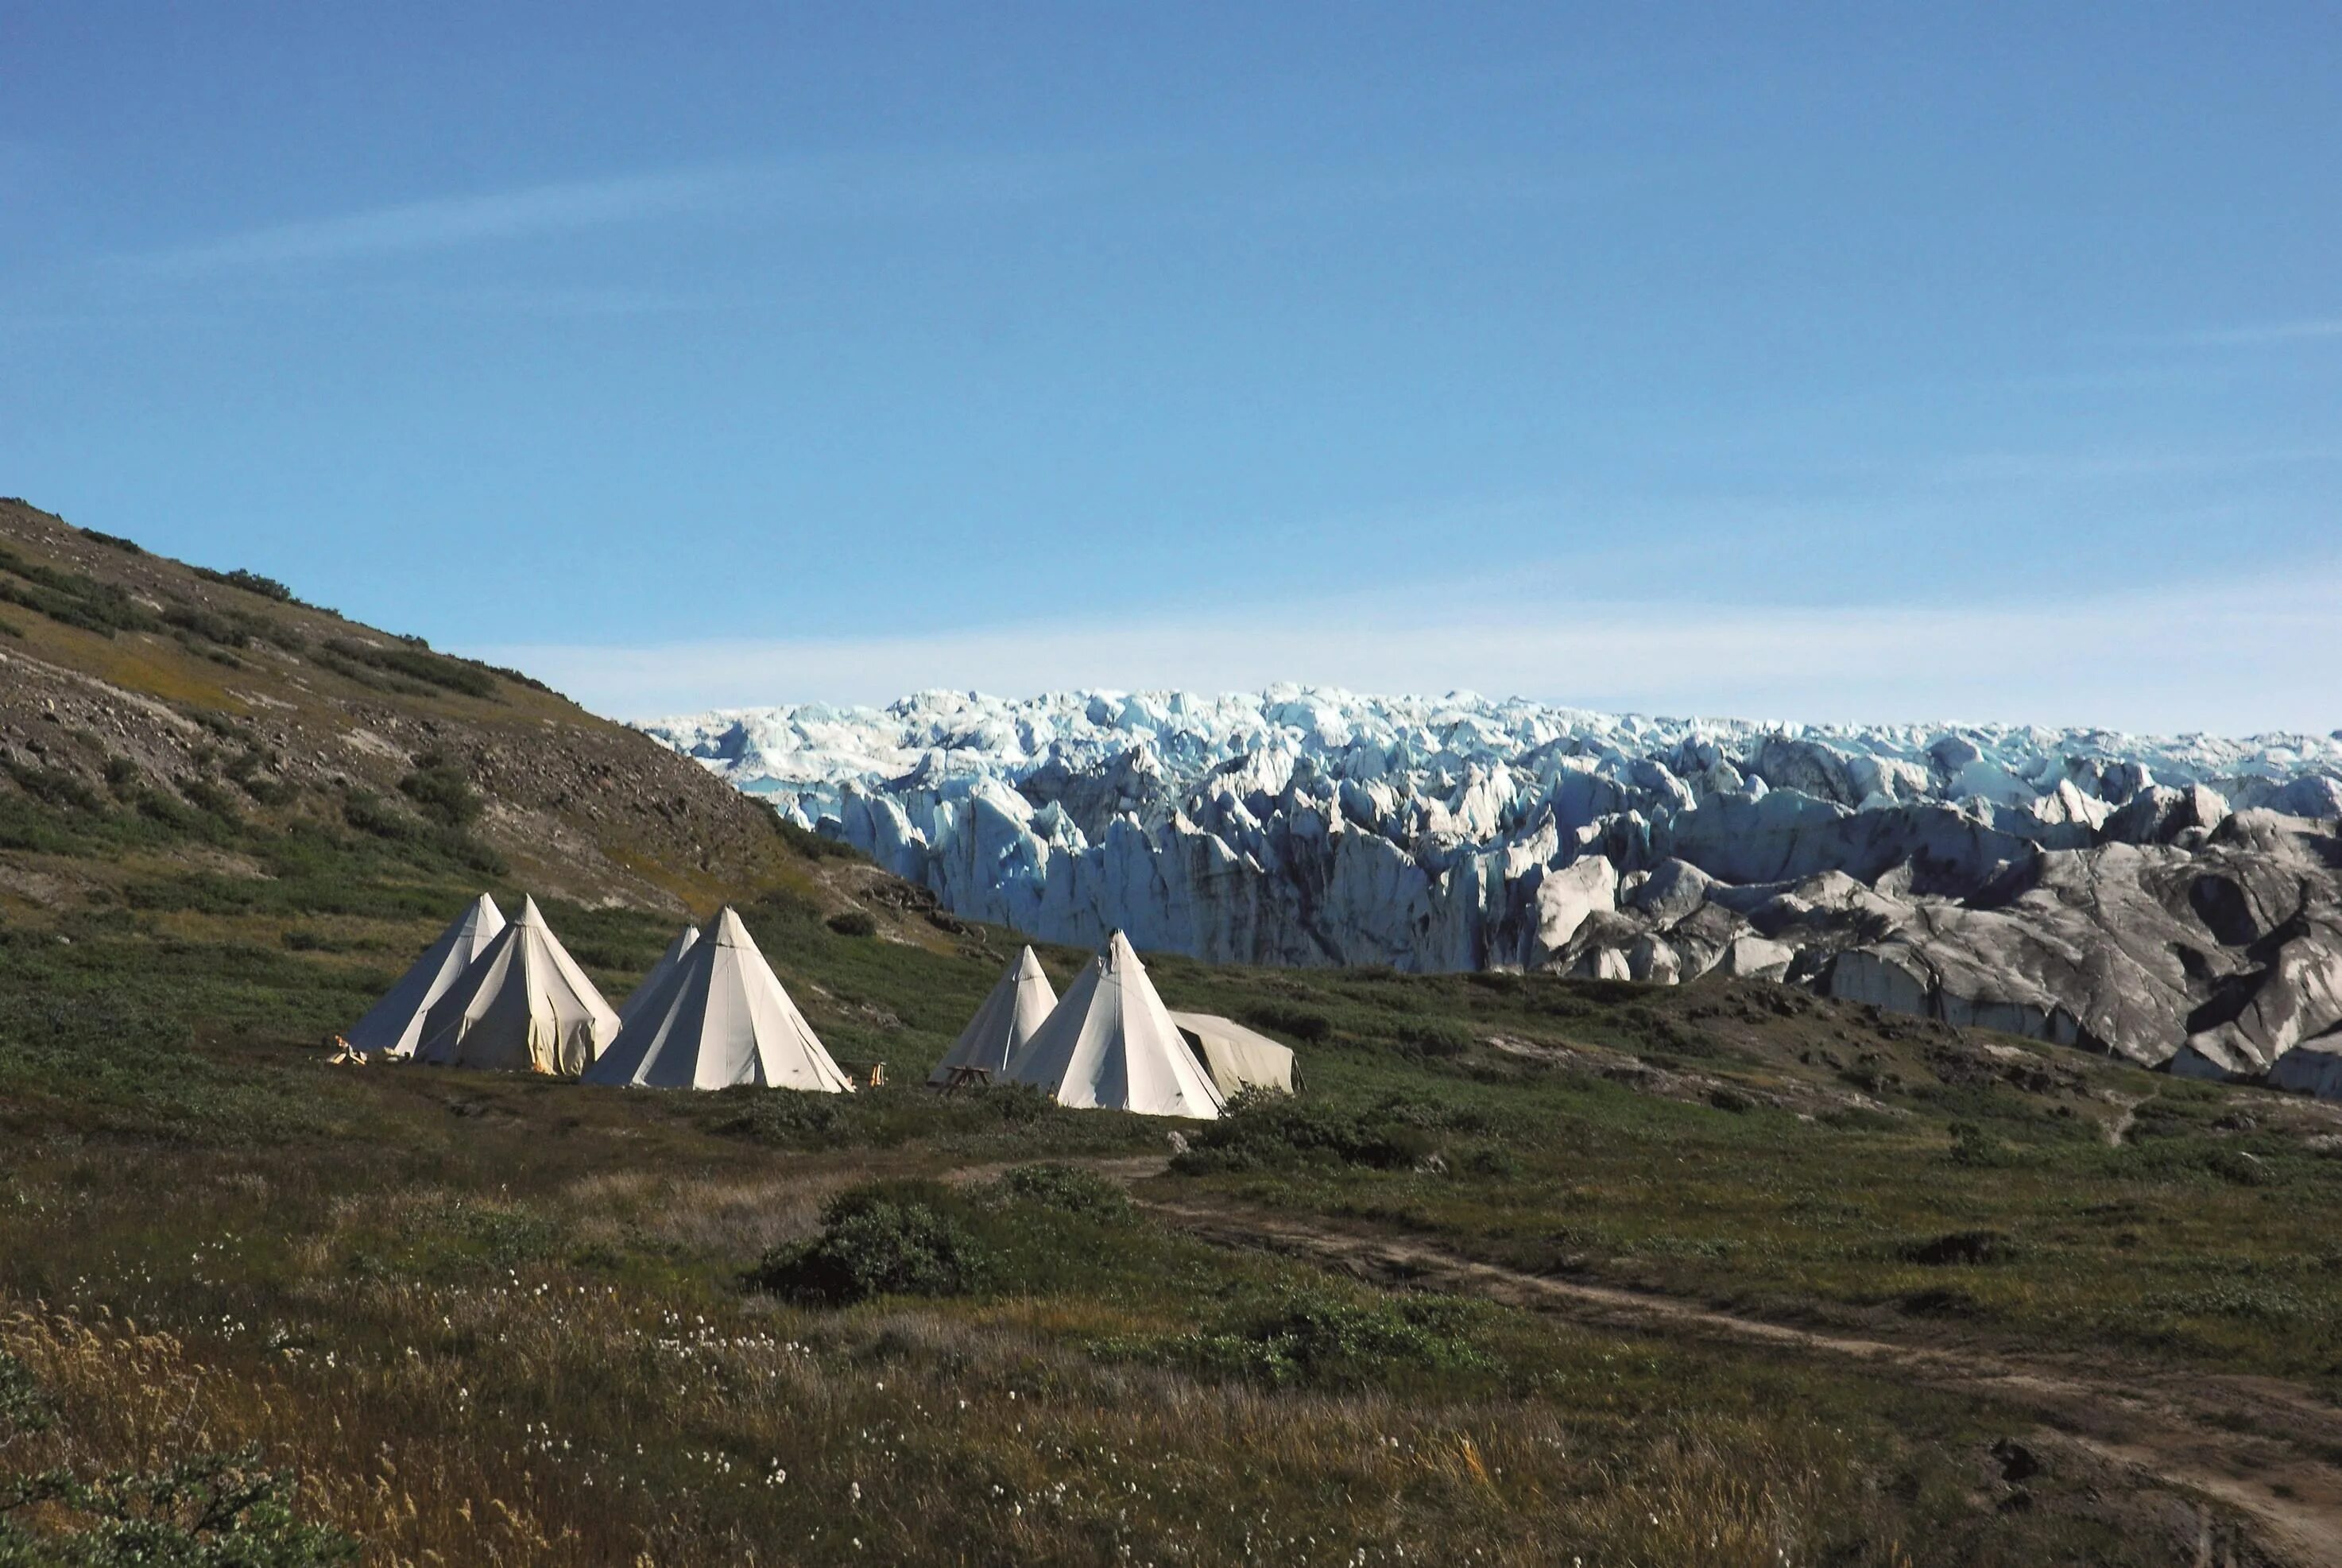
[2178,899]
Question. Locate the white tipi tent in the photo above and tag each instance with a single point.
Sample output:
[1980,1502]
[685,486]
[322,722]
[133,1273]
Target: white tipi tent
[1017,1006]
[657,976]
[1110,1043]
[393,1024]
[523,1005]
[720,1020]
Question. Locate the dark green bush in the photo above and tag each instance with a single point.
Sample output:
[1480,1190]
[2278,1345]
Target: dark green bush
[1318,1338]
[23,1406]
[417,664]
[1068,1188]
[369,812]
[806,842]
[441,790]
[1974,1147]
[250,581]
[1493,1160]
[1305,1024]
[771,1117]
[54,787]
[1265,1131]
[854,923]
[1959,1247]
[72,599]
[1437,1040]
[877,1241]
[214,1511]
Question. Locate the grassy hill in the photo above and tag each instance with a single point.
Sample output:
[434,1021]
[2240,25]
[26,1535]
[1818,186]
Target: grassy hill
[1537,1270]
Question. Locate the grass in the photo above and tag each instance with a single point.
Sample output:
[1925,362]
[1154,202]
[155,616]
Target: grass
[451,1306]
[276,1307]
[2199,1240]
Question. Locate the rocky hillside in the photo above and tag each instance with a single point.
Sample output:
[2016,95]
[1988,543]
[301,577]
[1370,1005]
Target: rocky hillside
[160,720]
[2177,901]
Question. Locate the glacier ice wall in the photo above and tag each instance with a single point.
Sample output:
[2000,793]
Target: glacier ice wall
[2080,884]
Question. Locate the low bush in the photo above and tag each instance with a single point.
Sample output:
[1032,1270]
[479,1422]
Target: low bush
[879,1240]
[1975,1148]
[414,663]
[250,581]
[806,842]
[789,1120]
[1316,1337]
[1959,1247]
[854,923]
[1265,1131]
[1435,1040]
[1305,1024]
[23,1407]
[1069,1188]
[441,790]
[213,1511]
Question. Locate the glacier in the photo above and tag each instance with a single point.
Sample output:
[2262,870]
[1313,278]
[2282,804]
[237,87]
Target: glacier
[2178,899]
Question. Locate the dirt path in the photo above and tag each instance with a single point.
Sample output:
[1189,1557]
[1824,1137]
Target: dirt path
[2253,1444]
[2119,1128]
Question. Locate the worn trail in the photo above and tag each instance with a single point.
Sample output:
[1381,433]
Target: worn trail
[2257,1444]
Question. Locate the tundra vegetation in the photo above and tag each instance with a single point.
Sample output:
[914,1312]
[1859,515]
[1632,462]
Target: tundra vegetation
[258,1310]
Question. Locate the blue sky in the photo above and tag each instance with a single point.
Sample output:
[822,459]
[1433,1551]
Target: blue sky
[1864,362]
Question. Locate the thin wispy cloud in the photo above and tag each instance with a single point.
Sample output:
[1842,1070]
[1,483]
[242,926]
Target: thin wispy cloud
[2274,332]
[448,221]
[1991,468]
[860,187]
[2072,660]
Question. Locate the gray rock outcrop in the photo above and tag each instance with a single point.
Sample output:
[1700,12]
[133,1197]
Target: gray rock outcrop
[2179,902]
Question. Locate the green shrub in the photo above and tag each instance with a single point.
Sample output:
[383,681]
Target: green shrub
[54,787]
[250,581]
[779,1117]
[877,1241]
[1435,1040]
[1266,1132]
[1318,1338]
[1304,1024]
[1492,1161]
[854,923]
[441,790]
[214,1511]
[72,599]
[369,812]
[1959,1247]
[23,1406]
[413,660]
[1069,1188]
[1974,1147]
[806,842]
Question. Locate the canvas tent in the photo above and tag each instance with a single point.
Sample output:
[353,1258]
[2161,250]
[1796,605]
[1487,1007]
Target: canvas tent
[1017,1006]
[524,1005]
[1110,1043]
[392,1026]
[720,1020]
[1237,1057]
[657,976]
